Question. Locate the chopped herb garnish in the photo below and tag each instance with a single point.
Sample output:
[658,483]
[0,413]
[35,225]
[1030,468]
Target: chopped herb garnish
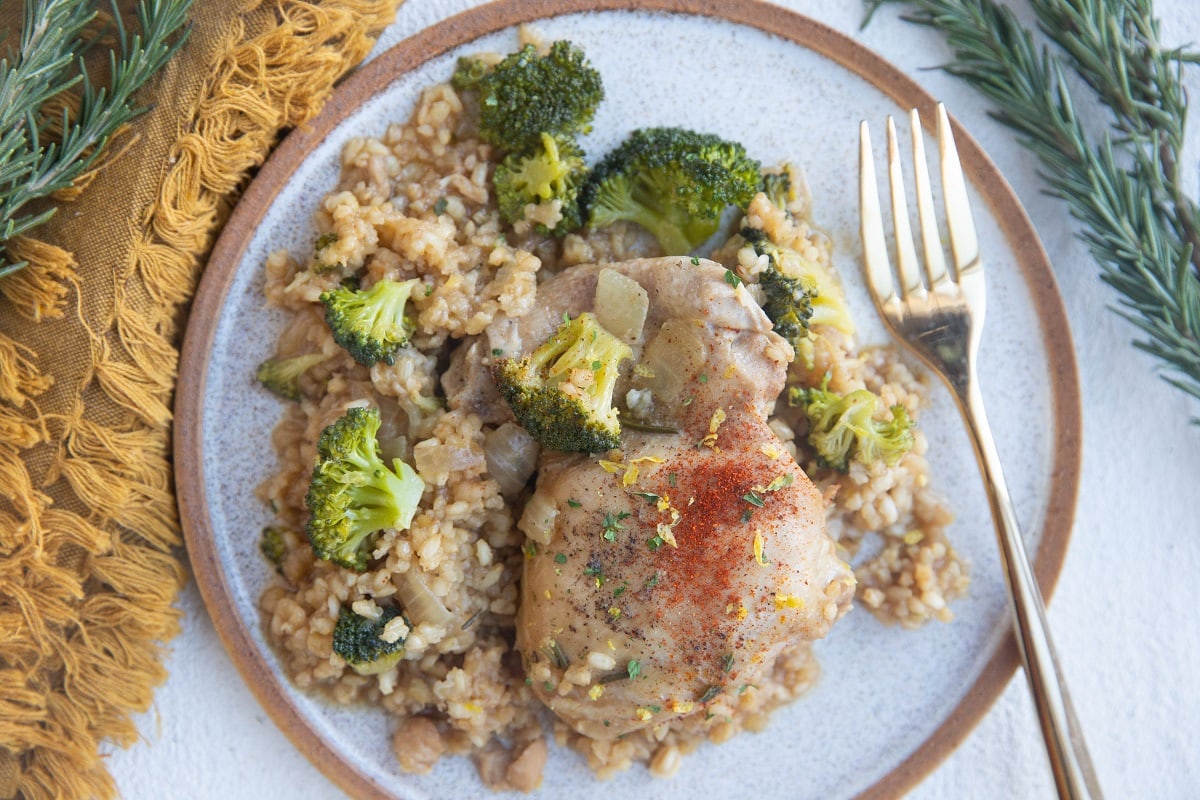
[574,503]
[709,694]
[695,261]
[655,542]
[671,480]
[439,207]
[732,279]
[592,570]
[703,379]
[326,239]
[556,654]
[727,662]
[687,401]
[753,499]
[548,686]
[496,351]
[649,497]
[783,480]
[747,514]
[633,668]
[742,689]
[428,289]
[560,558]
[612,525]
[655,709]
[529,681]
[471,619]
[620,590]
[530,549]
[651,582]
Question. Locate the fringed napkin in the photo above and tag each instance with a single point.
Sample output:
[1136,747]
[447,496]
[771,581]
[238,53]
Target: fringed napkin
[89,334]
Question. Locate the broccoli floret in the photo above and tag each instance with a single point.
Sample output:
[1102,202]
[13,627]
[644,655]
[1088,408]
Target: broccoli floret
[562,392]
[357,640]
[673,182]
[353,493]
[828,307]
[842,428]
[273,544]
[281,376]
[788,303]
[777,186]
[553,171]
[528,94]
[372,324]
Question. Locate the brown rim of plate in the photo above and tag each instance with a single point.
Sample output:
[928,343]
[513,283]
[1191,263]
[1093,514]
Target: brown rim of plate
[461,30]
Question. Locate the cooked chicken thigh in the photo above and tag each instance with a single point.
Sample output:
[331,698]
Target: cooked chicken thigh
[680,567]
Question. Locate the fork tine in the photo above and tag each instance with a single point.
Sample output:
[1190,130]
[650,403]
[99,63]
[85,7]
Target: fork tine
[964,245]
[907,267]
[935,261]
[875,256]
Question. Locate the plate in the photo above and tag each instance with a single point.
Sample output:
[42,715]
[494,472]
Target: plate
[891,703]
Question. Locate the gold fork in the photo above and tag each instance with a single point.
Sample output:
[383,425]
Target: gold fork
[938,314]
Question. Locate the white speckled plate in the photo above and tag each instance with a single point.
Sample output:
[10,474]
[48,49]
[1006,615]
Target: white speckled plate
[891,703]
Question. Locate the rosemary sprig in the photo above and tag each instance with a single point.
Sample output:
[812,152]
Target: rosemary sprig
[1126,191]
[44,150]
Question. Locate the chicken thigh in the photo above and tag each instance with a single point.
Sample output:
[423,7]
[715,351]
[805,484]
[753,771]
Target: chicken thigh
[677,569]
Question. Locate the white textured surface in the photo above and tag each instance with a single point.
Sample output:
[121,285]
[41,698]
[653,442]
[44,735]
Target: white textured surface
[1130,663]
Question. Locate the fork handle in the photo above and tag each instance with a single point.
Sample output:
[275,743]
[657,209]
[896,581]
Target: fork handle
[1069,760]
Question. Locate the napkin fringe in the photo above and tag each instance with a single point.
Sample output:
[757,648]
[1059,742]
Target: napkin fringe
[86,598]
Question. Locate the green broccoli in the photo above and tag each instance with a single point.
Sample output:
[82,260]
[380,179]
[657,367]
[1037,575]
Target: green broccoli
[358,641]
[273,544]
[353,493]
[528,94]
[673,182]
[281,376]
[562,392]
[553,171]
[842,428]
[777,186]
[826,306]
[788,303]
[372,324]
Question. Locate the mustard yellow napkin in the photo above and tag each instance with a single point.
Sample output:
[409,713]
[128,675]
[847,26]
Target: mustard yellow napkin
[89,336]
